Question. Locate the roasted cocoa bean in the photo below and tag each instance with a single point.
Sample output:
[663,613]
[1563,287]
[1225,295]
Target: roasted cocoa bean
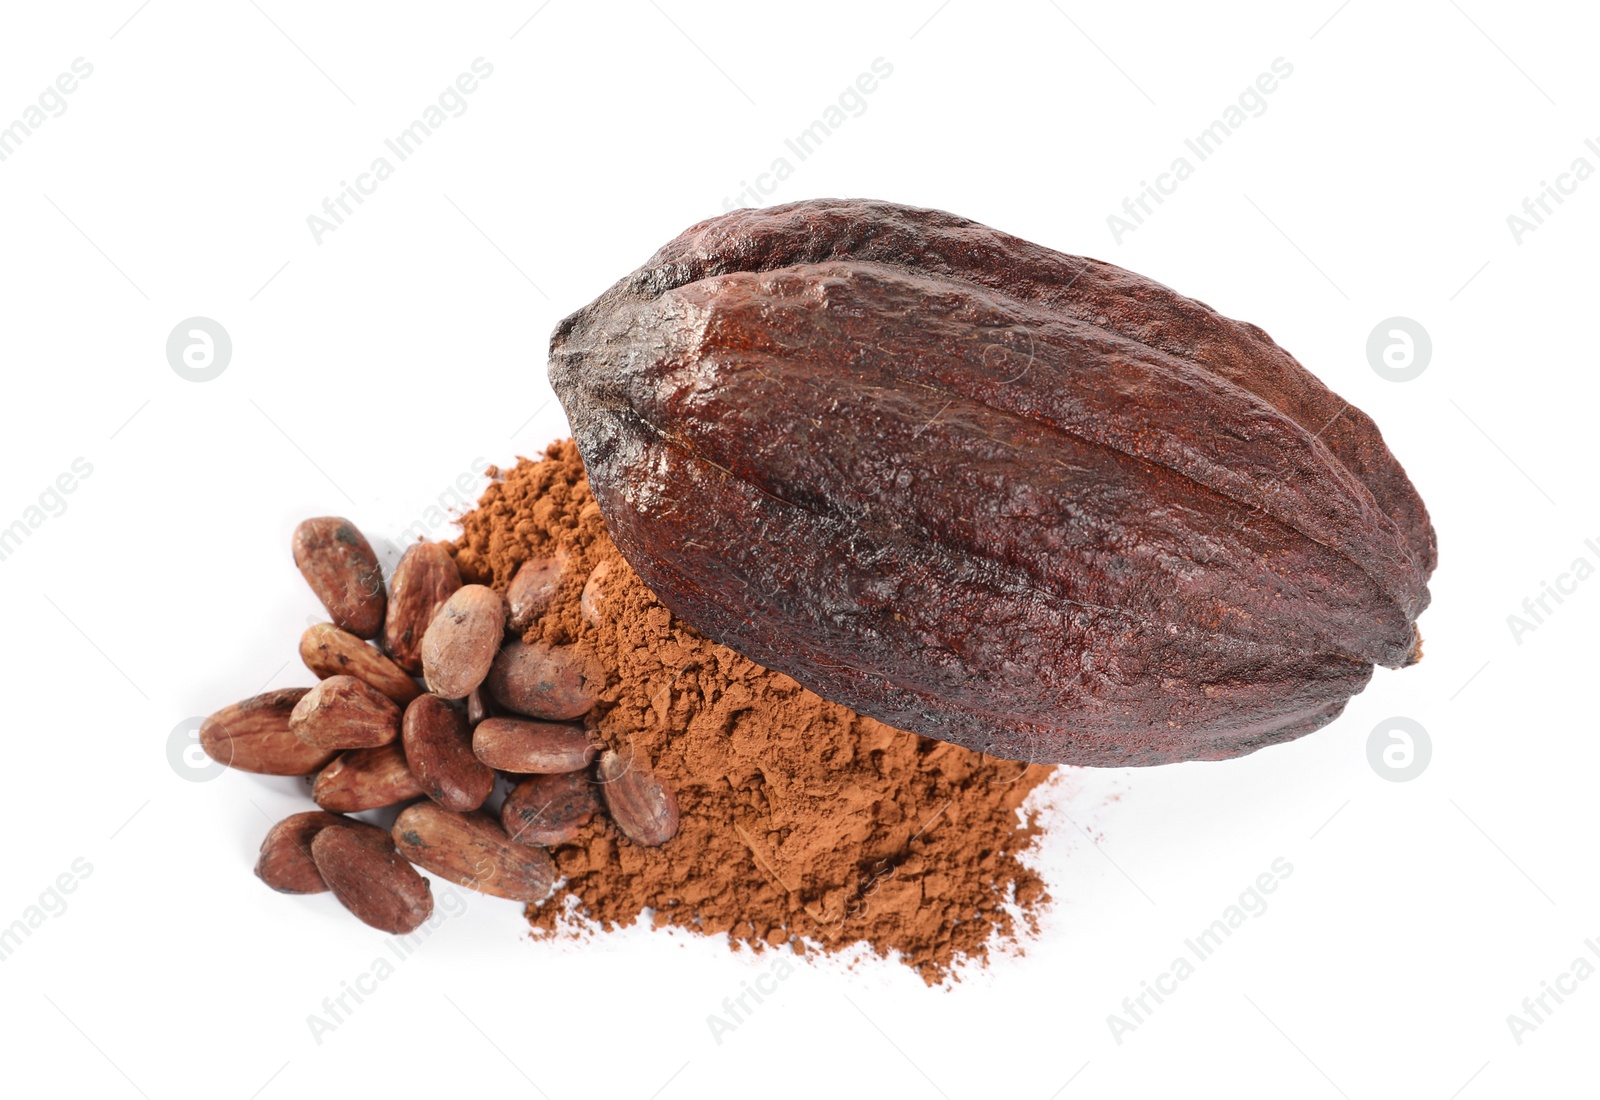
[285,862]
[550,809]
[329,651]
[366,779]
[536,583]
[461,641]
[540,680]
[438,748]
[338,563]
[644,808]
[343,712]
[375,884]
[254,736]
[473,850]
[479,706]
[526,748]
[425,578]
[594,594]
[1031,503]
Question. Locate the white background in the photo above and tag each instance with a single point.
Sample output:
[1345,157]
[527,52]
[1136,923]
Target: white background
[372,369]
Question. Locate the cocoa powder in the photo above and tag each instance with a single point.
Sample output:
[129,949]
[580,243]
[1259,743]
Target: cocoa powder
[801,823]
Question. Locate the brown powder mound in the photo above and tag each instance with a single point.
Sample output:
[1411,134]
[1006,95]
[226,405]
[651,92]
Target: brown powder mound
[801,821]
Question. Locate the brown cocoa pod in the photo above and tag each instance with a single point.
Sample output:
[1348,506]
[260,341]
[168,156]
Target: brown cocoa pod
[644,808]
[460,643]
[550,809]
[329,651]
[254,736]
[438,747]
[338,563]
[553,682]
[285,862]
[379,886]
[343,712]
[1028,502]
[425,578]
[527,748]
[366,779]
[533,588]
[473,850]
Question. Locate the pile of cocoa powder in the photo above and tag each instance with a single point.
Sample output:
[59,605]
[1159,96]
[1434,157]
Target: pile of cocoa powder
[802,823]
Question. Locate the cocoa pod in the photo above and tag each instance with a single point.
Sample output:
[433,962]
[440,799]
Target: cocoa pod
[423,580]
[534,586]
[526,748]
[553,682]
[376,884]
[644,808]
[1031,503]
[473,850]
[460,643]
[285,862]
[338,563]
[438,748]
[550,809]
[254,736]
[366,779]
[329,651]
[343,712]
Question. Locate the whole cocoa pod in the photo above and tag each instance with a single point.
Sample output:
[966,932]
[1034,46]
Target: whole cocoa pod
[980,490]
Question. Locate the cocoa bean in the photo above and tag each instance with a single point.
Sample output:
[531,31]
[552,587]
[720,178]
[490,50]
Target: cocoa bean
[525,748]
[378,886]
[644,808]
[285,862]
[594,593]
[438,747]
[343,712]
[536,583]
[461,641]
[329,651]
[479,706]
[254,736]
[540,680]
[473,850]
[425,578]
[979,490]
[338,563]
[550,809]
[366,779]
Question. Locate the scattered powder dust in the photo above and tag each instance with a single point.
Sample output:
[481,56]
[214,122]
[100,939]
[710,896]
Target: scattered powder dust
[803,824]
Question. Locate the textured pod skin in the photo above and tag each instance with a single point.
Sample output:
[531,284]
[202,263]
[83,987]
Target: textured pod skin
[980,490]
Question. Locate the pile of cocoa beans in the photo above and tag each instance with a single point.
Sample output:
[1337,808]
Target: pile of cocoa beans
[488,704]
